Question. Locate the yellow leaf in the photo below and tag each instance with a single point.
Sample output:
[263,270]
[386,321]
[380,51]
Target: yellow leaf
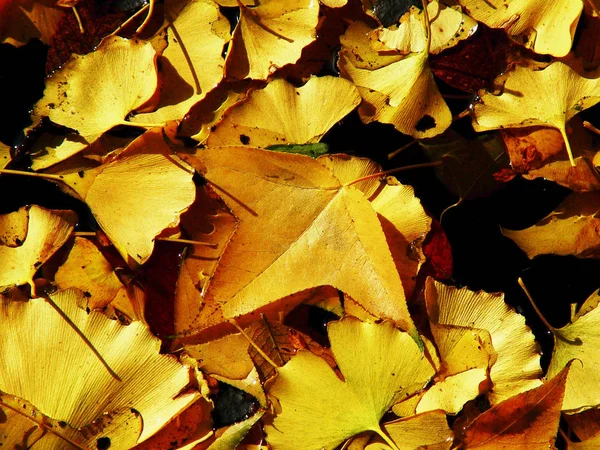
[283,114]
[5,157]
[137,195]
[579,340]
[118,370]
[47,231]
[571,229]
[428,430]
[21,21]
[525,101]
[402,93]
[92,93]
[527,421]
[192,64]
[544,27]
[319,411]
[517,367]
[335,237]
[269,36]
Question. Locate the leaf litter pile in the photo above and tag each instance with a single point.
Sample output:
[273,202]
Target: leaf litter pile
[232,224]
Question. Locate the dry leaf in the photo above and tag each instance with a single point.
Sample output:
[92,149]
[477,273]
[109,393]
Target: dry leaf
[527,421]
[429,430]
[269,36]
[283,114]
[525,101]
[571,229]
[413,105]
[23,20]
[335,237]
[137,195]
[319,411]
[92,93]
[79,383]
[47,231]
[517,367]
[192,64]
[545,27]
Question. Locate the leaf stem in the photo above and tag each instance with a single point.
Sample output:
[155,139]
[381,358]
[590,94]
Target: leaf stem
[386,438]
[563,131]
[46,176]
[252,15]
[427,25]
[187,241]
[253,344]
[462,115]
[79,23]
[188,59]
[537,311]
[591,127]
[140,124]
[401,149]
[131,19]
[396,170]
[148,16]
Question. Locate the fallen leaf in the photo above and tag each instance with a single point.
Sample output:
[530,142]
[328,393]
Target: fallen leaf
[524,101]
[319,411]
[414,106]
[269,36]
[528,420]
[578,340]
[543,27]
[283,114]
[21,21]
[131,213]
[47,231]
[118,368]
[234,434]
[517,367]
[335,238]
[585,424]
[123,75]
[428,430]
[192,64]
[571,229]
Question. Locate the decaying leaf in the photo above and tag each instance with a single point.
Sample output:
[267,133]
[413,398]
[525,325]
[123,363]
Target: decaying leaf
[396,90]
[122,73]
[335,237]
[571,229]
[283,114]
[192,64]
[269,36]
[47,231]
[319,411]
[525,102]
[544,27]
[579,340]
[137,195]
[118,369]
[517,367]
[528,420]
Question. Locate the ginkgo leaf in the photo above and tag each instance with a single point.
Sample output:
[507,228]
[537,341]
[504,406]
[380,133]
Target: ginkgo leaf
[448,27]
[137,195]
[88,270]
[579,340]
[402,93]
[319,411]
[545,27]
[118,368]
[233,435]
[335,237]
[283,114]
[517,367]
[21,21]
[525,101]
[123,75]
[192,64]
[528,420]
[269,36]
[47,231]
[571,229]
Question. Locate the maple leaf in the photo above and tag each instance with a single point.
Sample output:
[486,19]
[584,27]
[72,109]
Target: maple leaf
[46,231]
[414,106]
[192,64]
[517,367]
[571,229]
[123,73]
[333,235]
[117,367]
[282,114]
[578,341]
[318,410]
[528,420]
[525,102]
[543,27]
[269,36]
